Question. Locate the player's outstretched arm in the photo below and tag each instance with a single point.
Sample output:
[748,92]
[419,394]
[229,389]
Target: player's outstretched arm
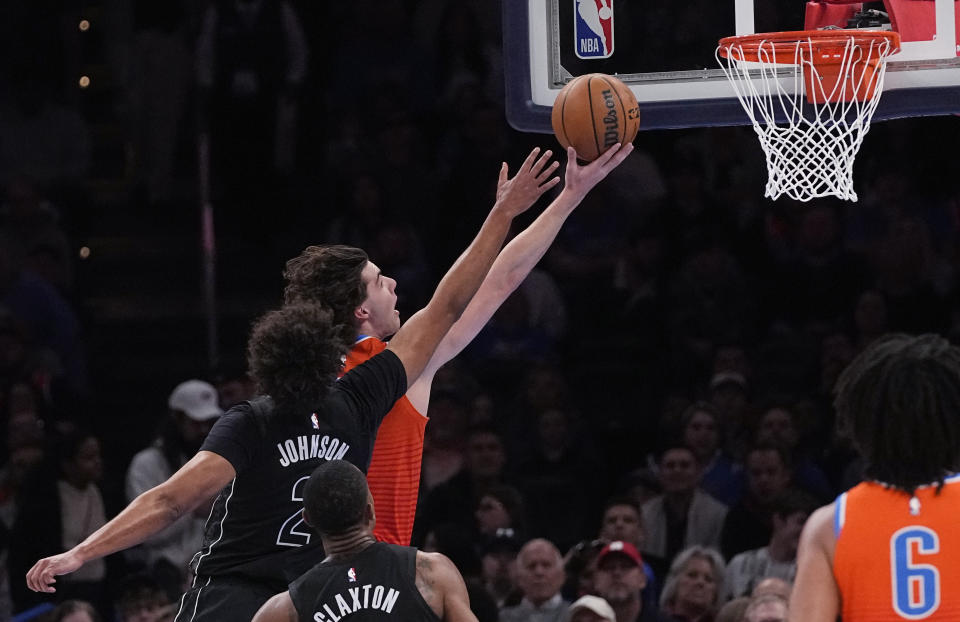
[278,609]
[196,481]
[417,339]
[815,596]
[517,259]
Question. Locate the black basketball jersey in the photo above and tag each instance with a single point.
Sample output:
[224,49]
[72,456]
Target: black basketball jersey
[255,529]
[378,583]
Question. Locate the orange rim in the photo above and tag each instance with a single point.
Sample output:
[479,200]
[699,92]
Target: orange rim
[823,42]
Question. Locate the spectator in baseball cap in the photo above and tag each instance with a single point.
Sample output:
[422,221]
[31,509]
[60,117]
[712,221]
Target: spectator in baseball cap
[590,608]
[619,579]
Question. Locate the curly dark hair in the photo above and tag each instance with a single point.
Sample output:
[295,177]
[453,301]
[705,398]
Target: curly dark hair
[899,400]
[328,275]
[295,354]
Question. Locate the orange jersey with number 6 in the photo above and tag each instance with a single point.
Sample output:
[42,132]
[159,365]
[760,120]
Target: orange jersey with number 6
[898,557]
[394,472]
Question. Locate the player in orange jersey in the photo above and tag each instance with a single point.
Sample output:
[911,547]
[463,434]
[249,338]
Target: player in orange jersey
[394,472]
[889,548]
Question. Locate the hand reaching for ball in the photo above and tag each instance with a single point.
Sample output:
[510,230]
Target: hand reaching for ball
[580,179]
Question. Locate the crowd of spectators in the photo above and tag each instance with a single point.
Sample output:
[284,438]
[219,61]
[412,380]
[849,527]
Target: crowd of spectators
[647,419]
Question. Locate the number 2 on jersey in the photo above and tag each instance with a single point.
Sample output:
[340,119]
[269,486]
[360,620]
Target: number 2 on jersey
[916,586]
[289,534]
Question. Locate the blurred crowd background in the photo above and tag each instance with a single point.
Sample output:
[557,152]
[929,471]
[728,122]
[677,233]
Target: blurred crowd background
[662,379]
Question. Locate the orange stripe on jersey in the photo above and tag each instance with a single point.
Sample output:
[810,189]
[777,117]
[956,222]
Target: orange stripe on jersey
[898,558]
[394,472]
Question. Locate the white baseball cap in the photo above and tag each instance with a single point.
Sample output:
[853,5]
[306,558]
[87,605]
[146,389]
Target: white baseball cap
[198,399]
[595,604]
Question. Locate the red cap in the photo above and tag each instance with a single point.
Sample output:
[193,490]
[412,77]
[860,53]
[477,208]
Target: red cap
[622,548]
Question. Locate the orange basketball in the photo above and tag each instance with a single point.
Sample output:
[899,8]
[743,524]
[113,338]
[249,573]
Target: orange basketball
[594,112]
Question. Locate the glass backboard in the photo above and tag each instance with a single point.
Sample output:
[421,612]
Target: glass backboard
[664,50]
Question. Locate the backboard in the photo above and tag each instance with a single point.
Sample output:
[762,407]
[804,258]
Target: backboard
[664,50]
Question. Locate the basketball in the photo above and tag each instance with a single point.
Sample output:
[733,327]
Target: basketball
[593,112]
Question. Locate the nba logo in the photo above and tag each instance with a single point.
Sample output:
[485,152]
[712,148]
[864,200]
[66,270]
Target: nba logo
[593,28]
[352,575]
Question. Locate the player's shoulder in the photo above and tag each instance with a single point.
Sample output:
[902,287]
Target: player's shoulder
[823,526]
[434,564]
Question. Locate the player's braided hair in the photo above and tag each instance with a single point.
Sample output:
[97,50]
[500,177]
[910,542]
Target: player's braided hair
[335,497]
[295,354]
[328,275]
[899,400]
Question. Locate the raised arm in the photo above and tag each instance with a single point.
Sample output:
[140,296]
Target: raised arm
[417,339]
[816,597]
[198,480]
[516,260]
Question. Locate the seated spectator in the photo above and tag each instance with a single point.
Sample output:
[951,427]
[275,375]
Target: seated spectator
[579,564]
[61,506]
[590,609]
[732,610]
[500,508]
[766,608]
[701,430]
[193,408]
[74,611]
[779,425]
[444,444]
[730,397]
[48,319]
[619,580]
[234,385]
[683,515]
[455,500]
[499,567]
[693,591]
[749,523]
[557,479]
[779,557]
[623,520]
[773,585]
[540,578]
[141,598]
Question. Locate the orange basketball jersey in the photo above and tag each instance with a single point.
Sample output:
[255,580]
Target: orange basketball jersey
[394,472]
[897,557]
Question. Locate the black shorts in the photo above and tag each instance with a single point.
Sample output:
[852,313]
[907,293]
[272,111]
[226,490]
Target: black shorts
[213,599]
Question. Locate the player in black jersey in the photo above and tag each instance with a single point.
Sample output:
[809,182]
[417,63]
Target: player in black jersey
[361,579]
[259,454]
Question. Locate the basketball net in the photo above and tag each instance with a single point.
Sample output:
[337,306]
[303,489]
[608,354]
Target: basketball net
[810,96]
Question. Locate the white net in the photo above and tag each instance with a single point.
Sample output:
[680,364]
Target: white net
[810,106]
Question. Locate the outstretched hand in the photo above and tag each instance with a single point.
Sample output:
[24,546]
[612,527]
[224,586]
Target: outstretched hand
[43,575]
[581,179]
[516,195]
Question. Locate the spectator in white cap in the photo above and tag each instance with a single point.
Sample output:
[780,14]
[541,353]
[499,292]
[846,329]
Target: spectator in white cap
[193,408]
[619,579]
[590,609]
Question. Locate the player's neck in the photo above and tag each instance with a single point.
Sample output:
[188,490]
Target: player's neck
[366,329]
[350,542]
